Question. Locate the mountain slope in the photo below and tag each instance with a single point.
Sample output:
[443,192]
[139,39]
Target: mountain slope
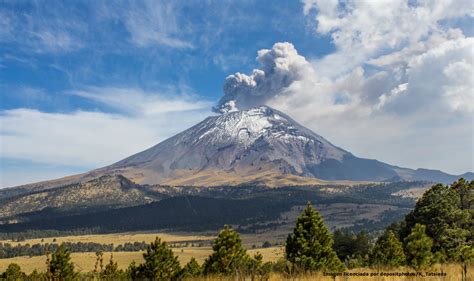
[239,146]
[112,191]
[368,206]
[240,143]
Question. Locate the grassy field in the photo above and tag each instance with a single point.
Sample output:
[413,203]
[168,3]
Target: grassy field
[118,238]
[85,262]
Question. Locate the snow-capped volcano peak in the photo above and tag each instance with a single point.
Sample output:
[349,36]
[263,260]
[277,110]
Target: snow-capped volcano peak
[248,145]
[244,140]
[244,126]
[259,126]
[247,126]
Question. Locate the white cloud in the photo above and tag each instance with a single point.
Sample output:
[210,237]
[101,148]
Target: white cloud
[460,92]
[138,102]
[93,139]
[362,30]
[394,93]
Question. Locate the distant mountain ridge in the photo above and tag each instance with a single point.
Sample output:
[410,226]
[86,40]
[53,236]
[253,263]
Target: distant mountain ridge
[112,191]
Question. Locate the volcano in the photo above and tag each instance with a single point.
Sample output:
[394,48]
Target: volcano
[260,145]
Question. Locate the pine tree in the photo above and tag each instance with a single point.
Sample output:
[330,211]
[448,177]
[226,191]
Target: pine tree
[453,240]
[191,270]
[309,248]
[447,213]
[466,193]
[99,263]
[228,256]
[343,244]
[352,249]
[466,258]
[160,263]
[132,271]
[13,273]
[418,247]
[48,266]
[361,244]
[111,271]
[257,269]
[60,266]
[36,276]
[387,251]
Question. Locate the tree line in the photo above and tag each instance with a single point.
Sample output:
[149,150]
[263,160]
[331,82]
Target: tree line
[8,250]
[438,230]
[44,233]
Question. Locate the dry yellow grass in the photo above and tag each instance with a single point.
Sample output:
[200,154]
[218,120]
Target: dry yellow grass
[118,238]
[130,237]
[85,262]
[453,273]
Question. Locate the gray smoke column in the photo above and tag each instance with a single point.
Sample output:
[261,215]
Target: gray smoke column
[279,68]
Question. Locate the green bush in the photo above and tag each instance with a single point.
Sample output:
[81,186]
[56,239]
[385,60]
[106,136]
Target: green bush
[13,273]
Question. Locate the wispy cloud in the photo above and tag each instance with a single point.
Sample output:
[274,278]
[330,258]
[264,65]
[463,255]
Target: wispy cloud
[26,61]
[93,139]
[64,28]
[137,102]
[57,40]
[34,31]
[6,26]
[155,23]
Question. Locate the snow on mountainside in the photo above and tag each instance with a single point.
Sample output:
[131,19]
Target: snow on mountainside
[240,142]
[245,146]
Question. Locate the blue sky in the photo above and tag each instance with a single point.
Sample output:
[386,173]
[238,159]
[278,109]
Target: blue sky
[196,45]
[86,83]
